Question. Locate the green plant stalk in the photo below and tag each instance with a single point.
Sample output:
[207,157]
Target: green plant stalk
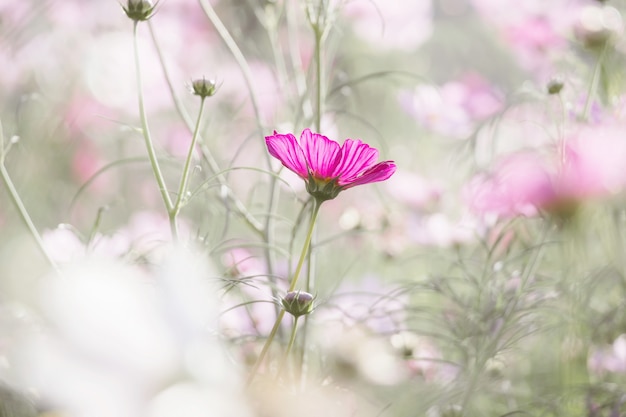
[294,281]
[318,82]
[292,339]
[595,79]
[254,224]
[247,75]
[21,209]
[184,180]
[294,52]
[146,131]
[239,57]
[490,349]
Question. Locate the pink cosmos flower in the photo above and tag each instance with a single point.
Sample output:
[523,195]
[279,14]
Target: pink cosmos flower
[589,166]
[327,167]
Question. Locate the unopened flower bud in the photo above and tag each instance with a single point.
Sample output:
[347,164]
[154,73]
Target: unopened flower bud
[298,303]
[598,24]
[203,87]
[139,10]
[555,85]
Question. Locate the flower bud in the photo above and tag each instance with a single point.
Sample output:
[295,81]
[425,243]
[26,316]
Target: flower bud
[555,85]
[298,303]
[139,10]
[598,24]
[203,87]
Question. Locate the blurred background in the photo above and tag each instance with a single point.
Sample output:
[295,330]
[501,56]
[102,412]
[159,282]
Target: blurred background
[490,265]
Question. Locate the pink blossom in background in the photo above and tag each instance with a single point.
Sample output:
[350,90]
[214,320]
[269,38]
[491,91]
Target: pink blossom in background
[327,167]
[391,24]
[455,108]
[517,185]
[414,190]
[240,263]
[12,72]
[177,140]
[84,115]
[610,358]
[538,31]
[589,165]
[86,161]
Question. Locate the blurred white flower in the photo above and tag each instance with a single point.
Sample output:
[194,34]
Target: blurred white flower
[116,336]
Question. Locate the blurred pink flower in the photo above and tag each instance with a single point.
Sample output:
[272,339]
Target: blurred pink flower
[456,107]
[537,31]
[610,358]
[413,190]
[327,167]
[518,184]
[392,24]
[589,165]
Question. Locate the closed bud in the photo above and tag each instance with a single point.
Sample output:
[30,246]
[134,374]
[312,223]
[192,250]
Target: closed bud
[298,303]
[139,10]
[555,85]
[597,24]
[203,87]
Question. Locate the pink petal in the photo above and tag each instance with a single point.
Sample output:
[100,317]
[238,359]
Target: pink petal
[356,157]
[379,172]
[286,149]
[321,153]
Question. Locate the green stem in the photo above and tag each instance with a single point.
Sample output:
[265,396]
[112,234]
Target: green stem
[595,79]
[292,339]
[239,57]
[21,209]
[294,281]
[208,157]
[146,131]
[248,78]
[318,81]
[184,180]
[305,249]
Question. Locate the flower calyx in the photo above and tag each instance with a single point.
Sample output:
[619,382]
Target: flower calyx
[140,10]
[298,303]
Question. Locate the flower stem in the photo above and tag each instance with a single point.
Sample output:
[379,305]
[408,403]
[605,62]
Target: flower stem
[318,81]
[292,339]
[208,157]
[19,205]
[595,79]
[305,249]
[184,180]
[231,44]
[146,131]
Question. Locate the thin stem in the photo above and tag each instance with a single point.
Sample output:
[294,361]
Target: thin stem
[21,209]
[595,79]
[239,57]
[294,281]
[146,131]
[296,62]
[184,180]
[492,347]
[207,155]
[318,81]
[247,75]
[292,339]
[307,243]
